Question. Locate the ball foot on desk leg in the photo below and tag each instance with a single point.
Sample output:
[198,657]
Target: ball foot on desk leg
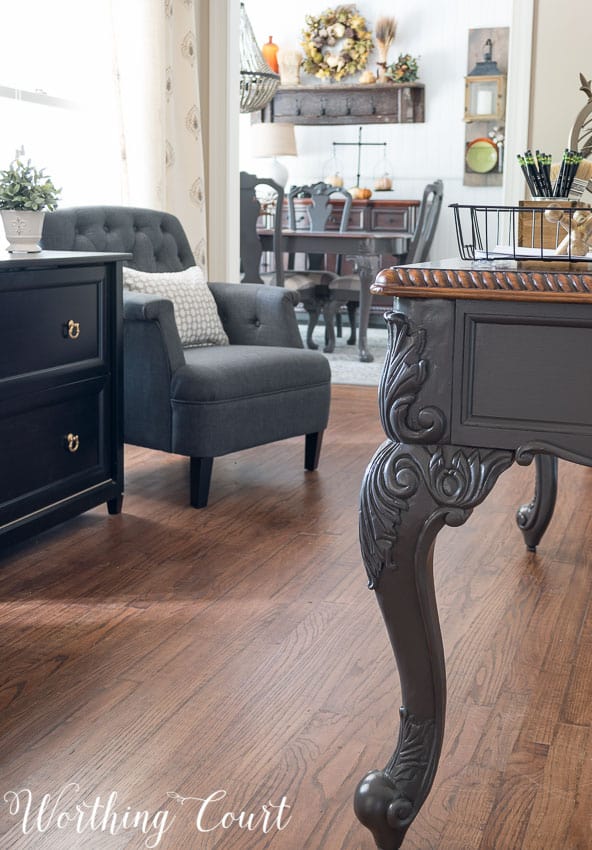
[365,356]
[534,517]
[387,801]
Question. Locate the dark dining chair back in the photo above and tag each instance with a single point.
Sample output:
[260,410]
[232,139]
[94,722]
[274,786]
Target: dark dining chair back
[320,208]
[346,289]
[429,213]
[312,283]
[250,241]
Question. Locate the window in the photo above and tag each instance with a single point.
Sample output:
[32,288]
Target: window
[58,98]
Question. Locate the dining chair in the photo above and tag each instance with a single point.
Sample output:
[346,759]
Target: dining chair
[311,284]
[346,289]
[252,207]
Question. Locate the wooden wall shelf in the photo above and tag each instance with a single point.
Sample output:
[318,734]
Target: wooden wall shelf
[387,103]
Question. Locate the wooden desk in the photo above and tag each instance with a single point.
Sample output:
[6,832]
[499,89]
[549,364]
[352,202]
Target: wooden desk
[365,247]
[486,367]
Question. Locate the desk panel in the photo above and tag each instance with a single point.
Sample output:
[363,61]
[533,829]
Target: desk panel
[522,371]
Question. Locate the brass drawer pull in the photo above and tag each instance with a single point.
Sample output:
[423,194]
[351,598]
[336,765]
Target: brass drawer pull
[72,329]
[72,442]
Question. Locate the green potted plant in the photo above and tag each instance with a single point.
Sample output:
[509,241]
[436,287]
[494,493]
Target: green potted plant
[25,194]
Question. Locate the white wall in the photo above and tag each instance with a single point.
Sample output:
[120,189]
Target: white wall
[562,51]
[221,147]
[437,32]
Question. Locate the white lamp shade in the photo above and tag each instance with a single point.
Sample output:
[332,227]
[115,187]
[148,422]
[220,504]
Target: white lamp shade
[273,139]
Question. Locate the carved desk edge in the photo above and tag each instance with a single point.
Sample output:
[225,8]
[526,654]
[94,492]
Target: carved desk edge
[515,281]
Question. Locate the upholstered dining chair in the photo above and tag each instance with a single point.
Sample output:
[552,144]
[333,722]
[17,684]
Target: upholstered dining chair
[250,241]
[255,384]
[346,289]
[311,284]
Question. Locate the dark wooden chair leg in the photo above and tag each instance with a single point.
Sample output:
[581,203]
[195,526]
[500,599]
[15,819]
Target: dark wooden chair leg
[312,450]
[200,473]
[329,310]
[313,311]
[352,306]
[339,324]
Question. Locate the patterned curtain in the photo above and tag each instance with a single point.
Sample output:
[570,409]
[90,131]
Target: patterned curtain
[156,79]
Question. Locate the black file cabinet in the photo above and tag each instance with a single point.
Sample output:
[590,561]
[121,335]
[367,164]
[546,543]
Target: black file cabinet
[61,433]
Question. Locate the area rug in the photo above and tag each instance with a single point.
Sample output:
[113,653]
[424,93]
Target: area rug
[345,364]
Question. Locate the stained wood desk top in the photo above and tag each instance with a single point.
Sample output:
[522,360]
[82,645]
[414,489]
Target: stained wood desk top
[521,280]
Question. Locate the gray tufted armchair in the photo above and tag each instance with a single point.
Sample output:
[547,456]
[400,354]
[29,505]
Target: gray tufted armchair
[209,401]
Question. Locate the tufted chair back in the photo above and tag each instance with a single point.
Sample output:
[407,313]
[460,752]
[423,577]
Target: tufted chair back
[156,239]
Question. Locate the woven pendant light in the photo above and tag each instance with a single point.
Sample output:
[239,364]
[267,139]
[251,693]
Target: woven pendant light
[258,83]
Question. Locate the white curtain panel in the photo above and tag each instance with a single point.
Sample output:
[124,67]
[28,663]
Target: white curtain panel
[156,83]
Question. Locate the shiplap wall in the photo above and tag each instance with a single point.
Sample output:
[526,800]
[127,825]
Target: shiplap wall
[437,32]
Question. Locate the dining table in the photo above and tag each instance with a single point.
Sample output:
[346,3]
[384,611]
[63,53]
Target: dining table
[364,247]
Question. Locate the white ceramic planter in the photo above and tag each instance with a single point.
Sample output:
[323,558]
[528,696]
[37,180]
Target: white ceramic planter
[23,229]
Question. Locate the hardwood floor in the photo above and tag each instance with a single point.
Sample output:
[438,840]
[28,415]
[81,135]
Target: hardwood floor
[238,648]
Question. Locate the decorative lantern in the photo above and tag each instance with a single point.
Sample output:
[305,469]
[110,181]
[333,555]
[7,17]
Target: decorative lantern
[485,90]
[333,171]
[383,174]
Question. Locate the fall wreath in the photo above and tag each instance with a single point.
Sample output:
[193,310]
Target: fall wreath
[342,28]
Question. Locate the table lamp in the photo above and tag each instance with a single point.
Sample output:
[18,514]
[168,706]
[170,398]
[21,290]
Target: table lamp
[270,140]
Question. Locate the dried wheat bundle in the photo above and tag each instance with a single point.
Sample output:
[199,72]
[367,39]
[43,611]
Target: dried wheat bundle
[385,31]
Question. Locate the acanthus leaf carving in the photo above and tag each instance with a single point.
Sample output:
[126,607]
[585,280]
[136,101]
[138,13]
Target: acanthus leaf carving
[455,479]
[462,481]
[390,482]
[405,371]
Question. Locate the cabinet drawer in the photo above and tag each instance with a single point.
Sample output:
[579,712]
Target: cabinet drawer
[51,326]
[51,449]
[355,222]
[394,219]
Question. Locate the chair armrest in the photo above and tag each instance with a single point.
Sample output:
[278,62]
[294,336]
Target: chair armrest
[255,314]
[152,354]
[139,307]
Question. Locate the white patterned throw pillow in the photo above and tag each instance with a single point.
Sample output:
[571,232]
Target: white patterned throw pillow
[196,315]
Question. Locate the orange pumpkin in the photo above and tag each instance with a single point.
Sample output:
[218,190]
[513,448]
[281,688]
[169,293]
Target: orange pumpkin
[359,193]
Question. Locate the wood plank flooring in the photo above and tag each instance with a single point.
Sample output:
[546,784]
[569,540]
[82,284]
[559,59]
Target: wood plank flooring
[238,648]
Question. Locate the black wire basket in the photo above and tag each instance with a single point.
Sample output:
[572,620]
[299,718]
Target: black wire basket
[535,230]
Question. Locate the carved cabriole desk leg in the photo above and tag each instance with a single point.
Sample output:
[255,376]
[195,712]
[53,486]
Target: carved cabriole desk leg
[412,487]
[534,518]
[408,494]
